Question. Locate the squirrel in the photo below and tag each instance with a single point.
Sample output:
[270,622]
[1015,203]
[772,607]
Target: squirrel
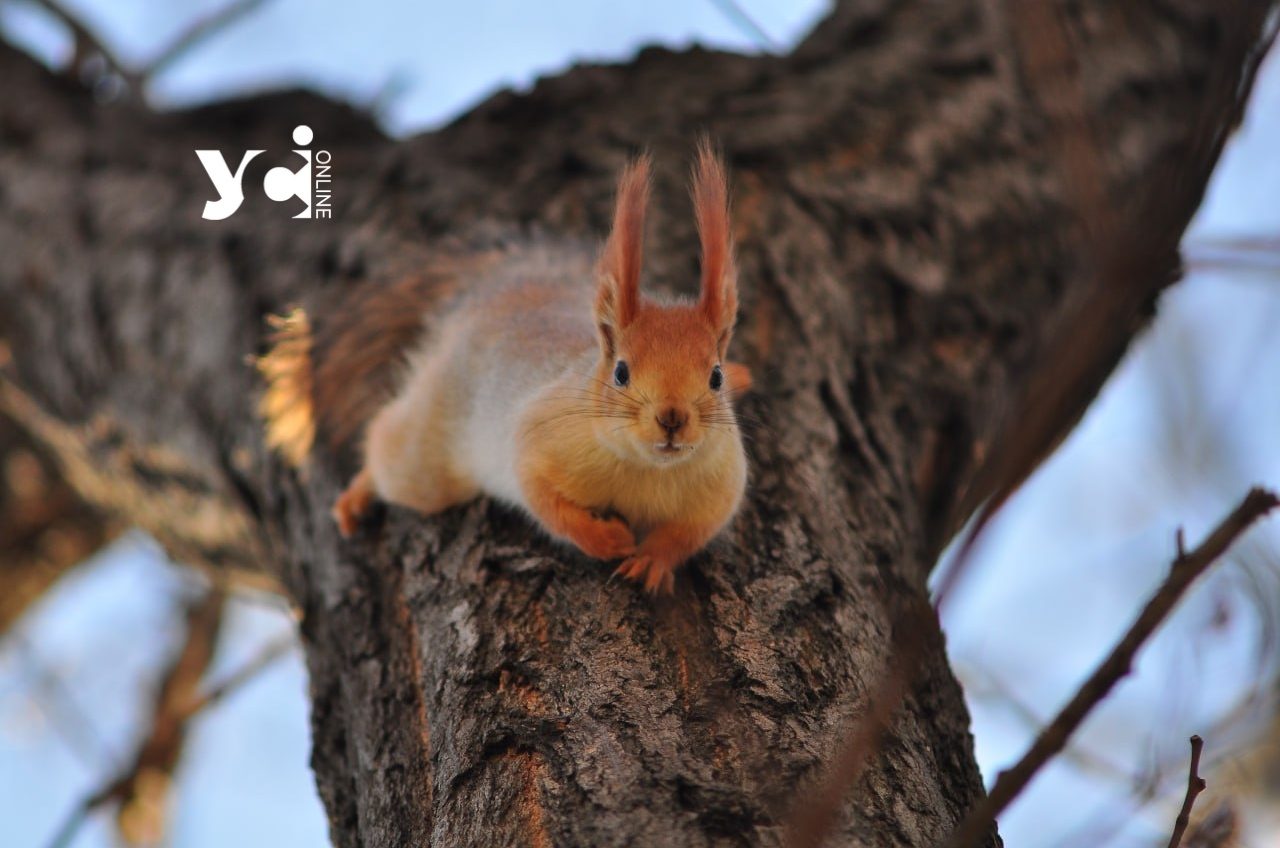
[600,412]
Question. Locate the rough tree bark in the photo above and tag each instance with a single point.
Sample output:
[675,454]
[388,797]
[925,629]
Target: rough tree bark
[903,242]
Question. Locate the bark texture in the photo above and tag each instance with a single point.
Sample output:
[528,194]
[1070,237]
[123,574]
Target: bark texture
[903,240]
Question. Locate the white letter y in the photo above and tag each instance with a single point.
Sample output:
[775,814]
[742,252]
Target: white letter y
[229,186]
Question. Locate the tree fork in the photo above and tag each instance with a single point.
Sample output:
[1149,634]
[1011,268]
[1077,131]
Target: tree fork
[903,238]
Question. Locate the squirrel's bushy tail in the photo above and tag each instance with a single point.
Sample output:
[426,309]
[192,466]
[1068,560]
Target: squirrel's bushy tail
[287,404]
[326,378]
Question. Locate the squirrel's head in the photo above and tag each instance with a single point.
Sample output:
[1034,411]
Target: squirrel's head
[663,384]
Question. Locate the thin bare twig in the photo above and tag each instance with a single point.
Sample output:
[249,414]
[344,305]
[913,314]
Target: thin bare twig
[1118,663]
[1258,254]
[70,826]
[141,786]
[734,11]
[270,652]
[1156,786]
[1220,828]
[198,31]
[976,680]
[176,707]
[66,716]
[1195,785]
[135,81]
[87,43]
[116,788]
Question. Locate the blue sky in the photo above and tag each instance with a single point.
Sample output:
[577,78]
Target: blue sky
[1059,575]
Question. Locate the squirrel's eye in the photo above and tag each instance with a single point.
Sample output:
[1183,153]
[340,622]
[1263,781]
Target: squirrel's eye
[717,378]
[621,374]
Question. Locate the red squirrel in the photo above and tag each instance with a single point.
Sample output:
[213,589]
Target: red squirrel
[604,414]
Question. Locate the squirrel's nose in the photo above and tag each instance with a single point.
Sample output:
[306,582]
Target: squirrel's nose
[672,420]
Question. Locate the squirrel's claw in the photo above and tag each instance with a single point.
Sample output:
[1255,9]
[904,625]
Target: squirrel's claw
[658,576]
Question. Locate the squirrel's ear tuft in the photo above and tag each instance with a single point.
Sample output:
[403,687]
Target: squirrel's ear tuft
[618,296]
[719,300]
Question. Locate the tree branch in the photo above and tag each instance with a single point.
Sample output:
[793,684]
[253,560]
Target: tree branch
[1117,665]
[197,31]
[1136,255]
[1138,261]
[141,790]
[265,657]
[1219,828]
[136,80]
[1195,785]
[87,43]
[743,19]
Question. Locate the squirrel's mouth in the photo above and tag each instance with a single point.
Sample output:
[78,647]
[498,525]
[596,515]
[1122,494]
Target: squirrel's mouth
[670,450]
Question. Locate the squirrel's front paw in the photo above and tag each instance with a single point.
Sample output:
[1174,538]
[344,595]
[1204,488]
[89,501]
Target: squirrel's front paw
[658,575]
[606,539]
[352,506]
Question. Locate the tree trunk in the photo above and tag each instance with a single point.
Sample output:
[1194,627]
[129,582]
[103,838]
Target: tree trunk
[903,240]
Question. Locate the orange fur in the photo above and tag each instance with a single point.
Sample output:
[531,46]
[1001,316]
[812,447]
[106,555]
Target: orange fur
[516,397]
[738,376]
[618,294]
[719,301]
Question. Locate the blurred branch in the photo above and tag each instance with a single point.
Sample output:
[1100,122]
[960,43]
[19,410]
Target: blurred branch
[997,690]
[1136,259]
[1259,254]
[63,711]
[270,652]
[1195,785]
[46,528]
[253,586]
[1186,568]
[1218,829]
[200,30]
[88,45]
[159,490]
[734,11]
[56,510]
[135,81]
[1234,735]
[142,789]
[1137,256]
